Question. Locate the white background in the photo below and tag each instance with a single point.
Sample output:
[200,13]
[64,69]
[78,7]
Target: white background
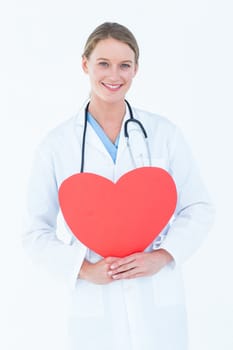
[185,74]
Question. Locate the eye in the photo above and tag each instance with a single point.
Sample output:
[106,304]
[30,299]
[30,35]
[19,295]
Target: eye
[125,65]
[103,64]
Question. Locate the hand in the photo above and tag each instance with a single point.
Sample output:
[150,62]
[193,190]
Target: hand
[98,272]
[139,264]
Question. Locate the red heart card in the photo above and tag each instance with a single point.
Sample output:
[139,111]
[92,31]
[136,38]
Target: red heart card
[118,219]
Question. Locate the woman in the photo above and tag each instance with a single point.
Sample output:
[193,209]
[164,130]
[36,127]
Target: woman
[134,302]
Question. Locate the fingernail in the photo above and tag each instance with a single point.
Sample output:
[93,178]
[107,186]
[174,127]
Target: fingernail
[112,267]
[116,277]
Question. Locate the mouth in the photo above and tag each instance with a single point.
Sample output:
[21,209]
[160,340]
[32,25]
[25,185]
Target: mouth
[112,87]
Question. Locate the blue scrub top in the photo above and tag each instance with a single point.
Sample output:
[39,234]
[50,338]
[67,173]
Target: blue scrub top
[110,147]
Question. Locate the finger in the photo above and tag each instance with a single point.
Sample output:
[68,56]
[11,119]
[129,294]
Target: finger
[111,258]
[123,268]
[127,260]
[133,273]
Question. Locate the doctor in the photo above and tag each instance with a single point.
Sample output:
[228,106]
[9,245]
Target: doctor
[135,302]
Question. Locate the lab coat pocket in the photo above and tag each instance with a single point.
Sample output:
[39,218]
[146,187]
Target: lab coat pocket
[87,300]
[168,286]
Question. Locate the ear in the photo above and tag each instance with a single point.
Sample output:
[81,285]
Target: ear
[136,69]
[85,64]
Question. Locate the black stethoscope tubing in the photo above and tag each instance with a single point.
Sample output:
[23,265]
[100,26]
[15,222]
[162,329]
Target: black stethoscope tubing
[126,134]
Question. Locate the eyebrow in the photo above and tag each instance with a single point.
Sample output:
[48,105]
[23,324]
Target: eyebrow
[106,59]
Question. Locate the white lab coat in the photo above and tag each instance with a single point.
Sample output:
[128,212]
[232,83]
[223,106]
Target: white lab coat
[140,314]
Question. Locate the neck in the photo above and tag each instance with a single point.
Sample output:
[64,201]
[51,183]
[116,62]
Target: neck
[108,115]
[105,112]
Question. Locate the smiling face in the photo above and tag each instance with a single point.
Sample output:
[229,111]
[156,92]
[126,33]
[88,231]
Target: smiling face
[111,68]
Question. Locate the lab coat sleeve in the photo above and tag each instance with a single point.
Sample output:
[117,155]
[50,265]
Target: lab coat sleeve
[61,260]
[194,212]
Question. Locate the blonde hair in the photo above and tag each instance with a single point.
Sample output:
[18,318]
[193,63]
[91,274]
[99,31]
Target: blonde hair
[111,30]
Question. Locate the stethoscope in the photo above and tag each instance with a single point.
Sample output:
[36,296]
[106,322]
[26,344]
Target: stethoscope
[126,134]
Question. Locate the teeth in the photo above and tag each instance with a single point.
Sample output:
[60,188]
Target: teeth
[112,86]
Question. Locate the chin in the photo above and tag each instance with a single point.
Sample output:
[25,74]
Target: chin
[114,98]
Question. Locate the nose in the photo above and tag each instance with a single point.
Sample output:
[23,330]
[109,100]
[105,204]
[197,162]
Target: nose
[114,73]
